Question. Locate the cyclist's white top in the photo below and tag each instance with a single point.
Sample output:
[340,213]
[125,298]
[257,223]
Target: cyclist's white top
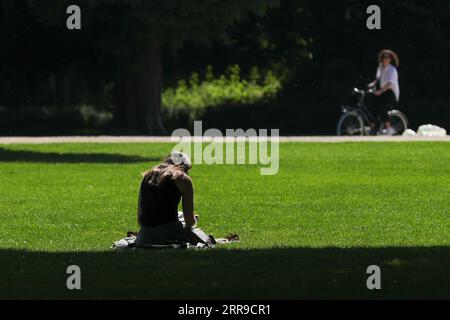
[389,75]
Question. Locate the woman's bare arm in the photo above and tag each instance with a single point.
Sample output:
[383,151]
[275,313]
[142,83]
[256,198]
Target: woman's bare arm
[384,89]
[184,184]
[372,84]
[387,87]
[139,210]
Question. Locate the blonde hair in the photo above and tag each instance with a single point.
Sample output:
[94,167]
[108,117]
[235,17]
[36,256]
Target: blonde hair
[175,165]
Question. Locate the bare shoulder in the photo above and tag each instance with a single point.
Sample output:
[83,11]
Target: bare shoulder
[183,181]
[182,177]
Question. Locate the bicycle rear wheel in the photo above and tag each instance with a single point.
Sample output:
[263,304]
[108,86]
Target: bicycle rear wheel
[398,121]
[350,124]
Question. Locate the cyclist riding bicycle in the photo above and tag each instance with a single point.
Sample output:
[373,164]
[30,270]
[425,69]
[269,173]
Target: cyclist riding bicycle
[387,91]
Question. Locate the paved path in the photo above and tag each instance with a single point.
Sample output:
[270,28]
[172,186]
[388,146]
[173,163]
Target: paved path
[143,139]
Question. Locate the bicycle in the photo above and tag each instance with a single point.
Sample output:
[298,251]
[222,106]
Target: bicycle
[358,120]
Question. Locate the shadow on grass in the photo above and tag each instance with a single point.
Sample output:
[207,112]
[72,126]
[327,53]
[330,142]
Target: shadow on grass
[277,273]
[52,157]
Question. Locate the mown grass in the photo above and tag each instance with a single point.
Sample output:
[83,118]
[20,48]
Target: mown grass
[310,231]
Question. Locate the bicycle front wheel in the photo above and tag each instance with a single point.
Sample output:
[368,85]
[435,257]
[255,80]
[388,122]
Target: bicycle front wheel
[350,124]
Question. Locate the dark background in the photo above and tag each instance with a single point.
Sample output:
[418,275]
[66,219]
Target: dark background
[321,49]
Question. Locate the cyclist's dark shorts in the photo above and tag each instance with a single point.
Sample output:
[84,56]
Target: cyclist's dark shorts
[380,105]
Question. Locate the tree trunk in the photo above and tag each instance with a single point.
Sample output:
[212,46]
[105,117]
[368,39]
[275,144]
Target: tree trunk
[150,87]
[138,93]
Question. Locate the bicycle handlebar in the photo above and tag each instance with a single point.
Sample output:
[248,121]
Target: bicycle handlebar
[369,90]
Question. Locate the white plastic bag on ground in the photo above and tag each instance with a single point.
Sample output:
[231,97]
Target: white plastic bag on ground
[409,133]
[429,130]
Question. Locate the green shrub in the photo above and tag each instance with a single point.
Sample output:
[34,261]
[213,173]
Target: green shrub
[193,96]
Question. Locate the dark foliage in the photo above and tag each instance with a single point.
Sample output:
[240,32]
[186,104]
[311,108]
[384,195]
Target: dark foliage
[320,48]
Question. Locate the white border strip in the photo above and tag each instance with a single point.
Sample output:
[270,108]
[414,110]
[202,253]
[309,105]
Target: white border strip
[148,139]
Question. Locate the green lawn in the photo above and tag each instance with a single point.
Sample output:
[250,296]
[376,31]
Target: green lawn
[308,232]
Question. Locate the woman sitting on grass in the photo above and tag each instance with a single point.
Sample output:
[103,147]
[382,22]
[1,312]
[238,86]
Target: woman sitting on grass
[161,191]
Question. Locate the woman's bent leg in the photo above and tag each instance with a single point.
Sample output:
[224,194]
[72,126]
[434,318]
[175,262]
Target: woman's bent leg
[166,233]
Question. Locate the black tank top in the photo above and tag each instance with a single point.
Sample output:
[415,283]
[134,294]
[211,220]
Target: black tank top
[158,204]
